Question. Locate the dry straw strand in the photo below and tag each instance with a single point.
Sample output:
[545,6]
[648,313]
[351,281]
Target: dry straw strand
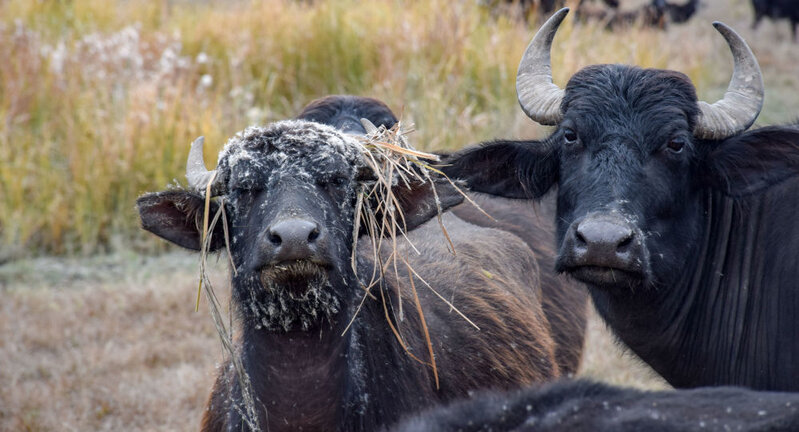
[248,412]
[395,163]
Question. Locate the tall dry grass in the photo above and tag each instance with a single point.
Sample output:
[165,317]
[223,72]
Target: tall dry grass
[99,100]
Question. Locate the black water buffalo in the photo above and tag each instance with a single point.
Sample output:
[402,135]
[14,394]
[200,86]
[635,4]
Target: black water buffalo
[564,302]
[344,112]
[289,193]
[545,7]
[777,9]
[681,222]
[584,406]
[657,13]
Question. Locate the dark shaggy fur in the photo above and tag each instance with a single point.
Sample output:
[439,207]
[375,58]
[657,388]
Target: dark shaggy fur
[710,296]
[583,406]
[344,112]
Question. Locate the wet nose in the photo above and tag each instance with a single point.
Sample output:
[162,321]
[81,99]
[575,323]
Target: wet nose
[604,240]
[603,236]
[293,239]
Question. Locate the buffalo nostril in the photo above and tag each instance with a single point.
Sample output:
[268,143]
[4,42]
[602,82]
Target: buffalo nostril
[275,239]
[625,243]
[580,238]
[313,235]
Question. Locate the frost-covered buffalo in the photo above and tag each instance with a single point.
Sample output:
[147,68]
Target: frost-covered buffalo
[584,406]
[290,191]
[681,222]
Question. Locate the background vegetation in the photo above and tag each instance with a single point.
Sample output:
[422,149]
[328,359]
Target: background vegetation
[99,100]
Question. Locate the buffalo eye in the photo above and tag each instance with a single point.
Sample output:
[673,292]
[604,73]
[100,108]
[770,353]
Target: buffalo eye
[676,145]
[570,136]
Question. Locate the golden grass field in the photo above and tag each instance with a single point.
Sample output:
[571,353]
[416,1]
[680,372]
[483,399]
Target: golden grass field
[100,99]
[99,104]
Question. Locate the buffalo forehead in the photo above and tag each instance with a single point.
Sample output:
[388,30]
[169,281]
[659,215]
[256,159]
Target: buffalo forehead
[644,101]
[296,148]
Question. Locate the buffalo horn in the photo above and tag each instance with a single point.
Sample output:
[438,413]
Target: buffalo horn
[742,102]
[368,126]
[196,173]
[539,97]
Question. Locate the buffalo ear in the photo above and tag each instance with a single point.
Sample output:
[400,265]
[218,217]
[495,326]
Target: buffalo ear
[754,160]
[177,216]
[510,169]
[418,201]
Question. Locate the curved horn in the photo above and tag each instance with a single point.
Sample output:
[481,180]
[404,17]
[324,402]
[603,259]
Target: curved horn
[196,173]
[744,97]
[368,126]
[539,97]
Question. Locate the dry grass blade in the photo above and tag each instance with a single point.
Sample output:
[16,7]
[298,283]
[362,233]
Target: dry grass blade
[206,210]
[248,412]
[395,164]
[408,152]
[356,229]
[227,238]
[424,325]
[396,332]
[447,302]
[465,196]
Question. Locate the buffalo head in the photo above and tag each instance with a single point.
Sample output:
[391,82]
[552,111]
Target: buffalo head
[289,195]
[632,157]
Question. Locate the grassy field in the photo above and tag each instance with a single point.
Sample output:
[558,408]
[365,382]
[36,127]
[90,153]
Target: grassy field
[113,343]
[98,104]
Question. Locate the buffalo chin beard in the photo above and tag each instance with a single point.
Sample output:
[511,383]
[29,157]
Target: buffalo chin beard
[294,296]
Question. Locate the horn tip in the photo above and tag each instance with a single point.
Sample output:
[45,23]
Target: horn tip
[558,16]
[368,125]
[721,27]
[727,31]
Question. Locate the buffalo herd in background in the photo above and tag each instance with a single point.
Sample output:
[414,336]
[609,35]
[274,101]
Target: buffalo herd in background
[678,219]
[660,13]
[777,9]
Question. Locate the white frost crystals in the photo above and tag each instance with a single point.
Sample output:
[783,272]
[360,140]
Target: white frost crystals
[292,145]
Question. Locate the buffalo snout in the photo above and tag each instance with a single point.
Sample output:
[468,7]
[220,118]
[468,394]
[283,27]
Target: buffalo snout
[604,249]
[292,239]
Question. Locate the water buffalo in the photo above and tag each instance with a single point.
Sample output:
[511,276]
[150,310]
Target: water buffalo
[289,193]
[563,301]
[584,406]
[656,13]
[776,9]
[679,219]
[545,7]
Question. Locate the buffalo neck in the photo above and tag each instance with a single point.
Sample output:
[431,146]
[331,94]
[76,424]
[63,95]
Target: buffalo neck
[725,321]
[296,375]
[329,379]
